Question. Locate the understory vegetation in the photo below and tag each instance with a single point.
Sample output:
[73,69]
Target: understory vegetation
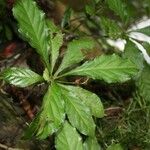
[66,83]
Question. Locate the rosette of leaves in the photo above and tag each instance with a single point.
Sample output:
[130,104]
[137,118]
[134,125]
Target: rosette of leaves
[66,110]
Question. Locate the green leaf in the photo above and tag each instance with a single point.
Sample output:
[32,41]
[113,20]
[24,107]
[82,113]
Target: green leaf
[51,26]
[145,30]
[33,27]
[78,113]
[147,47]
[143,83]
[52,114]
[90,8]
[66,17]
[21,77]
[68,139]
[115,147]
[75,52]
[110,68]
[50,117]
[91,144]
[56,43]
[120,8]
[111,28]
[132,52]
[89,99]
[32,128]
[46,75]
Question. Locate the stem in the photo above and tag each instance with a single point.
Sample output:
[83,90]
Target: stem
[57,77]
[67,82]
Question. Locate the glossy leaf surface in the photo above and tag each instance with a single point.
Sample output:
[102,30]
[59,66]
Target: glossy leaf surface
[110,68]
[33,27]
[21,77]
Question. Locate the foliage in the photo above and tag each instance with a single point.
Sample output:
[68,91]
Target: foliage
[66,110]
[70,111]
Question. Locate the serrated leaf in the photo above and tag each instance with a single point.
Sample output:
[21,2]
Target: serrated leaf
[56,43]
[21,77]
[115,147]
[111,28]
[120,8]
[75,52]
[145,30]
[50,117]
[78,113]
[68,139]
[51,26]
[143,83]
[33,27]
[52,114]
[132,52]
[110,68]
[90,99]
[91,144]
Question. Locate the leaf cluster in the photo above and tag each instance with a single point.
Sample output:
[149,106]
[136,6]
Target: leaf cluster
[67,110]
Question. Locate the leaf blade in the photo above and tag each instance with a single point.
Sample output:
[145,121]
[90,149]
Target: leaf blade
[79,114]
[21,77]
[90,99]
[51,115]
[91,144]
[33,27]
[68,139]
[56,43]
[132,52]
[111,28]
[111,69]
[145,30]
[143,83]
[74,52]
[120,8]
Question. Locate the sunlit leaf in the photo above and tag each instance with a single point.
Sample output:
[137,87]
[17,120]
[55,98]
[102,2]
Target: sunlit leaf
[21,77]
[33,27]
[110,68]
